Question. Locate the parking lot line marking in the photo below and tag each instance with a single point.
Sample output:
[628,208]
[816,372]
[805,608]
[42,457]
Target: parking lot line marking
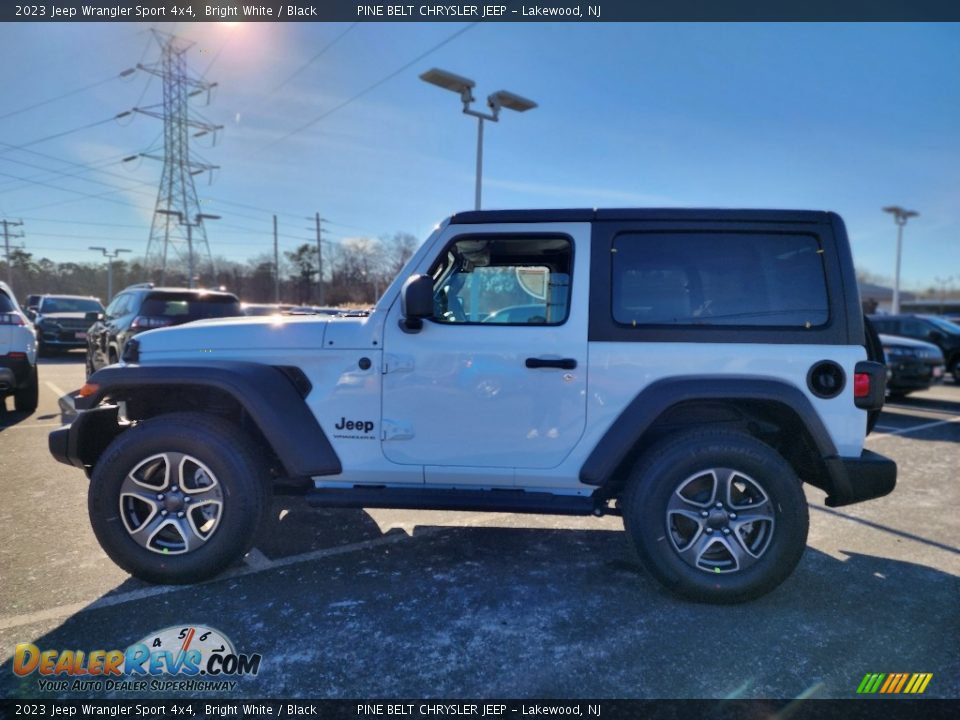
[916,428]
[885,427]
[886,528]
[57,391]
[72,609]
[30,426]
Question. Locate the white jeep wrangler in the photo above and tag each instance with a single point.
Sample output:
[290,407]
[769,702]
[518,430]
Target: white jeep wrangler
[687,369]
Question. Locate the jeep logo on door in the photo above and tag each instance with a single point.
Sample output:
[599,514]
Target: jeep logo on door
[354,429]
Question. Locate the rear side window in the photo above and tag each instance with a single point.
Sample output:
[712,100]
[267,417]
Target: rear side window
[729,279]
[6,304]
[190,306]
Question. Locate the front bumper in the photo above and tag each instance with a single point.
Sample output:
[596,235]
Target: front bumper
[82,442]
[862,478]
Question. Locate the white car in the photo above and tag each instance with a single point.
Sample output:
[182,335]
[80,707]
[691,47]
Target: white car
[18,353]
[687,370]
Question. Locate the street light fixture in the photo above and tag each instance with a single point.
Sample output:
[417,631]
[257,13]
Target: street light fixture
[500,99]
[110,258]
[197,220]
[900,216]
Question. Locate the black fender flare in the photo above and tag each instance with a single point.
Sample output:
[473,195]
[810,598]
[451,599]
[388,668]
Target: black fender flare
[273,397]
[642,412]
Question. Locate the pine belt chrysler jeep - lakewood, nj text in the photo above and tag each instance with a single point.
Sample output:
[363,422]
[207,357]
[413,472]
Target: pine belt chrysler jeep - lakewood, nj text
[686,369]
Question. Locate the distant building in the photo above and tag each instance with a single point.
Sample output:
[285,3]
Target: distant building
[877,298]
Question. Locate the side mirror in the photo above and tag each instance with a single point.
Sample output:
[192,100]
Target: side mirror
[416,302]
[935,335]
[92,317]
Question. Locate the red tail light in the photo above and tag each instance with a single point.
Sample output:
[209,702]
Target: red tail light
[17,355]
[144,322]
[11,319]
[861,385]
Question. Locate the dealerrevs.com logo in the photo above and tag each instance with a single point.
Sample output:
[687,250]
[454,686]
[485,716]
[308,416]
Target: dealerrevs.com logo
[180,657]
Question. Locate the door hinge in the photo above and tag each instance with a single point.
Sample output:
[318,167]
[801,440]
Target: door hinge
[397,363]
[395,430]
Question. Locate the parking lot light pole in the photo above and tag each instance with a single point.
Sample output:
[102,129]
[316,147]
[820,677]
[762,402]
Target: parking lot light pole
[110,258]
[197,219]
[900,217]
[500,99]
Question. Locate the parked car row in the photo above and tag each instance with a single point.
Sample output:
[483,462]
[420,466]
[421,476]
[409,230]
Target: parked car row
[919,349]
[18,354]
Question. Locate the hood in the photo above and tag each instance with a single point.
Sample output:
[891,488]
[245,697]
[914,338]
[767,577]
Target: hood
[896,340]
[199,337]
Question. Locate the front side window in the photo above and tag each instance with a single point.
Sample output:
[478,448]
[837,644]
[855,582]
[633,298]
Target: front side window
[728,279]
[504,281]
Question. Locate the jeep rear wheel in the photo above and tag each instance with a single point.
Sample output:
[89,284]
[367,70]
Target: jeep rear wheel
[178,498]
[716,516]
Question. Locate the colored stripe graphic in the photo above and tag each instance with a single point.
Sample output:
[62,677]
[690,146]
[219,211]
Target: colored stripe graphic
[894,683]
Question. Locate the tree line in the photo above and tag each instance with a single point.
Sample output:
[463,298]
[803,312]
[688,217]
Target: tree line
[355,272]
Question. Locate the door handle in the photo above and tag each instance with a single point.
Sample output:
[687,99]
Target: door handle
[560,364]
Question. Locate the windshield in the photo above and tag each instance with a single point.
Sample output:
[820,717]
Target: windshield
[64,305]
[945,325]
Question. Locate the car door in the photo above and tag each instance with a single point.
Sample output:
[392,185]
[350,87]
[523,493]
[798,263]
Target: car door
[106,328]
[496,379]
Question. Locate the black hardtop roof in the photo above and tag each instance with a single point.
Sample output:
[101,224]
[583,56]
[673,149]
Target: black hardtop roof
[179,291]
[473,217]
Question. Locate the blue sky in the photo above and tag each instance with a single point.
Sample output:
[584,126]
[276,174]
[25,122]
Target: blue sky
[846,117]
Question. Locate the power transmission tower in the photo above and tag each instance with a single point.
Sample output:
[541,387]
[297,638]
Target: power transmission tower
[7,235]
[177,202]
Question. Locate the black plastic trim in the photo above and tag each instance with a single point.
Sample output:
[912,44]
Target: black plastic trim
[476,217]
[649,404]
[81,443]
[878,384]
[869,476]
[517,501]
[266,393]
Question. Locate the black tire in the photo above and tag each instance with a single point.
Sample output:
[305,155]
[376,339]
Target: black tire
[25,399]
[239,471]
[89,364]
[683,461]
[42,350]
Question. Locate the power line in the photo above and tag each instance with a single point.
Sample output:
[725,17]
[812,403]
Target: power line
[61,96]
[313,59]
[366,90]
[11,148]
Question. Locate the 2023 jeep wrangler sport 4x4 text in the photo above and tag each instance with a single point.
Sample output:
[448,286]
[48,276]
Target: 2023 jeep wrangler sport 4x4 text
[687,369]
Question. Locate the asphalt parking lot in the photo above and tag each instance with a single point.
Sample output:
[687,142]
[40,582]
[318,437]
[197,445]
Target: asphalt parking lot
[468,605]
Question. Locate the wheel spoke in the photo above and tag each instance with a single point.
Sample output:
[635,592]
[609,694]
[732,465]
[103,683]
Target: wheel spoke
[695,550]
[741,557]
[145,533]
[130,487]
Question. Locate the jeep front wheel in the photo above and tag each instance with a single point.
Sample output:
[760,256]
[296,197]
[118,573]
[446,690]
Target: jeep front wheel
[178,498]
[716,516]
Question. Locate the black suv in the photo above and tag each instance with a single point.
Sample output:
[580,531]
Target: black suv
[929,328]
[61,321]
[145,307]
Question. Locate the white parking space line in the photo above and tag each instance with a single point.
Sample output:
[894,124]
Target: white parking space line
[916,428]
[260,563]
[31,426]
[56,391]
[885,427]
